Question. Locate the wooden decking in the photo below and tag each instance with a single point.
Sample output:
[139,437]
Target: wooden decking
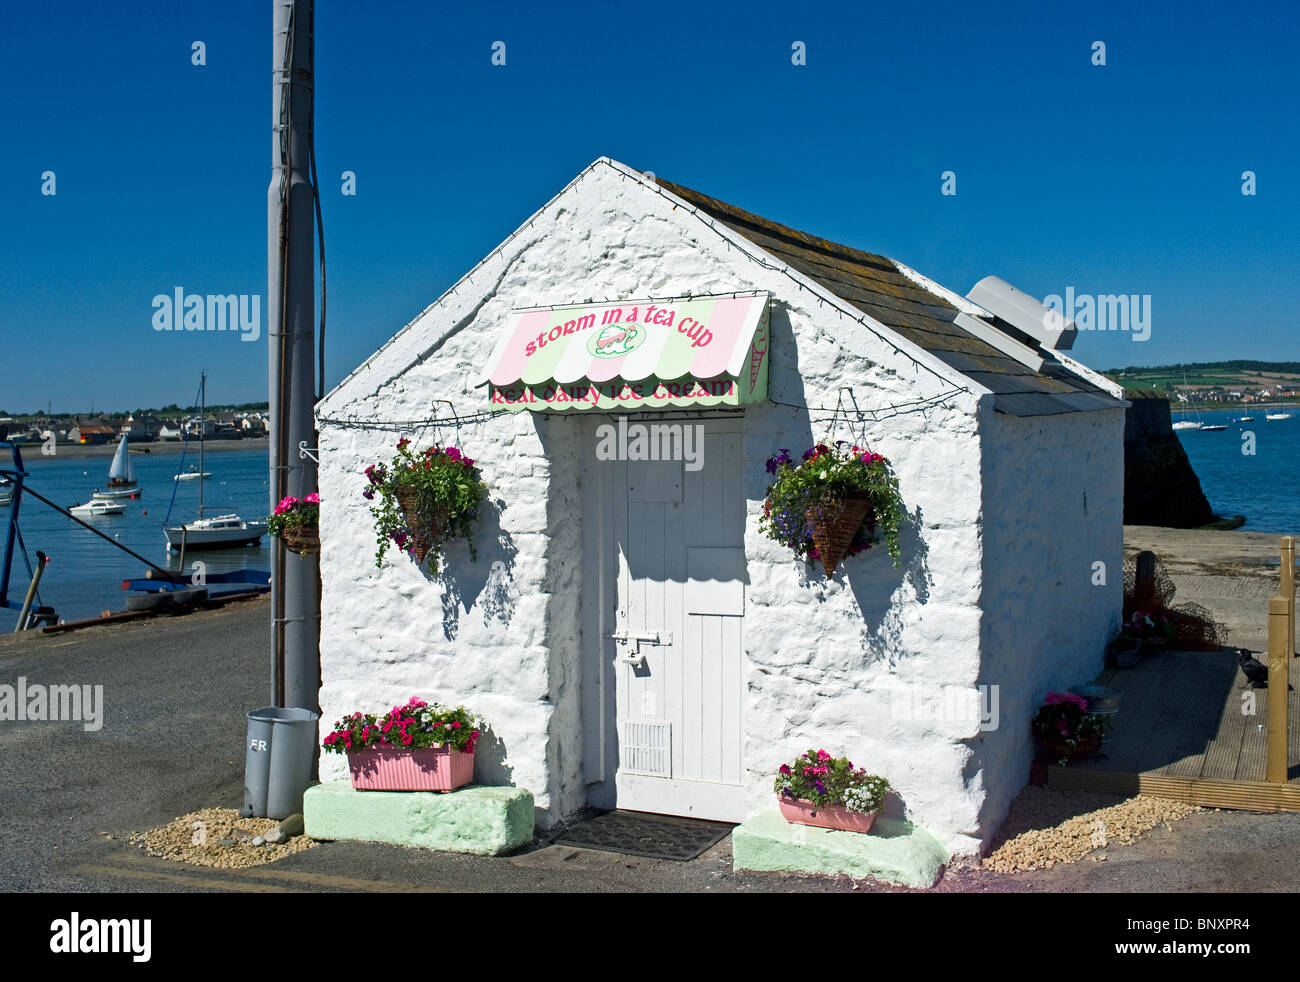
[1190,728]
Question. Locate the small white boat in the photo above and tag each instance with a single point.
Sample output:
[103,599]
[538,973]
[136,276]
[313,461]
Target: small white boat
[193,474]
[1277,415]
[1213,428]
[96,507]
[1187,424]
[215,533]
[121,477]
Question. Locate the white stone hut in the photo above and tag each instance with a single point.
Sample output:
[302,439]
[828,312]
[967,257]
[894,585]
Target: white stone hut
[1010,461]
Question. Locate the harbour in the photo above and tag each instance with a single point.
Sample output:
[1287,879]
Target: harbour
[84,576]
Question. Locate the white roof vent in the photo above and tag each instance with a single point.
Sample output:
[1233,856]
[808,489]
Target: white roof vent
[1047,326]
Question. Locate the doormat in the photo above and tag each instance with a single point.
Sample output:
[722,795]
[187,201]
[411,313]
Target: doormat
[642,834]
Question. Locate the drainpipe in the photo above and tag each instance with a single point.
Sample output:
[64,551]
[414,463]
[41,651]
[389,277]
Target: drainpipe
[295,625]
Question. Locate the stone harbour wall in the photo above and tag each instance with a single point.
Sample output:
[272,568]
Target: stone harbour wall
[1160,487]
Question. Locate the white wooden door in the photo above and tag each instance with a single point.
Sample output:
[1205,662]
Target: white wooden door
[669,649]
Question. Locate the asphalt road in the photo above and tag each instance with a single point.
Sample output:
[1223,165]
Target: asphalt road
[175,692]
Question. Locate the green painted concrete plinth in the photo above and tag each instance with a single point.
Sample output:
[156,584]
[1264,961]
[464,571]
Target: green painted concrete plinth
[480,820]
[894,851]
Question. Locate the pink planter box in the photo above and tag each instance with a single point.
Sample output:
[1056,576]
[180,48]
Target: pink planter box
[802,812]
[389,769]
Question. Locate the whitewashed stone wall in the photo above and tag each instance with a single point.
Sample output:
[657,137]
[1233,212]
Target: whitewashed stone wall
[842,665]
[1054,499]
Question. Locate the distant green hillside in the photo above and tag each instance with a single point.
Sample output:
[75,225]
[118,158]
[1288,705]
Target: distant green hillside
[1222,368]
[1250,378]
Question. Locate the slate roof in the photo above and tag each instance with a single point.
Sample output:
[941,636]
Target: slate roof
[876,286]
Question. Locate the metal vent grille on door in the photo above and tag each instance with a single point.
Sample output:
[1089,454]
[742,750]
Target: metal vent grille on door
[646,748]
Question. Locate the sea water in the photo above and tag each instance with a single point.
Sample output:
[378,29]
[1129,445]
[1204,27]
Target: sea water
[85,573]
[1263,485]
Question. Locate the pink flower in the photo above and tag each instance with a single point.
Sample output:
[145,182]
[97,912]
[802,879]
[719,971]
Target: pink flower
[311,499]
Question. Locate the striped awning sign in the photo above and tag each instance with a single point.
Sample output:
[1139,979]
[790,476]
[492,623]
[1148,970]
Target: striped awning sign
[633,354]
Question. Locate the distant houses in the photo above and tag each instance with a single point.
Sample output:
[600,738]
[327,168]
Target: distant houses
[99,431]
[136,427]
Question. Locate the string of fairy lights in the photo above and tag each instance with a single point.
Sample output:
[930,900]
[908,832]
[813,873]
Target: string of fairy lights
[836,413]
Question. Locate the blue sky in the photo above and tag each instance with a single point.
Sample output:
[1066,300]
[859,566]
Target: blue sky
[1117,179]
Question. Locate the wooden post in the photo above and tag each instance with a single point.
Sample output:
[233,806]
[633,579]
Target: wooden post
[1288,587]
[1144,582]
[1279,661]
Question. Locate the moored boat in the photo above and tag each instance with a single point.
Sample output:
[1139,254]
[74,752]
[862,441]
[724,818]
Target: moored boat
[1277,415]
[97,507]
[215,533]
[210,533]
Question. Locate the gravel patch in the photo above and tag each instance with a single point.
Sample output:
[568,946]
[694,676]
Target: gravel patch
[1045,827]
[222,841]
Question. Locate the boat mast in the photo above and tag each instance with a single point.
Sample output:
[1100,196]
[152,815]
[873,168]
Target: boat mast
[203,422]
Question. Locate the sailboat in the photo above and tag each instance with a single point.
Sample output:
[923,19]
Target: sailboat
[1277,415]
[121,477]
[220,531]
[1188,424]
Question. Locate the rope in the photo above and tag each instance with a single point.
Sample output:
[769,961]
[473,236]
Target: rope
[168,574]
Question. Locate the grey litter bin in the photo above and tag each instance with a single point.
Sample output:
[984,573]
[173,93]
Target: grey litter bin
[277,765]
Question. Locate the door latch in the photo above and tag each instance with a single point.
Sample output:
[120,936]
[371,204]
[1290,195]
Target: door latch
[657,637]
[634,657]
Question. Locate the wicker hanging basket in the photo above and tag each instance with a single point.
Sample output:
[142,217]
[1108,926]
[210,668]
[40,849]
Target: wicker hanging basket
[426,528]
[835,522]
[301,539]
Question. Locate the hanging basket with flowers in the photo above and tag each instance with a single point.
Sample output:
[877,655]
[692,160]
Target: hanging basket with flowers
[297,522]
[424,500]
[837,502]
